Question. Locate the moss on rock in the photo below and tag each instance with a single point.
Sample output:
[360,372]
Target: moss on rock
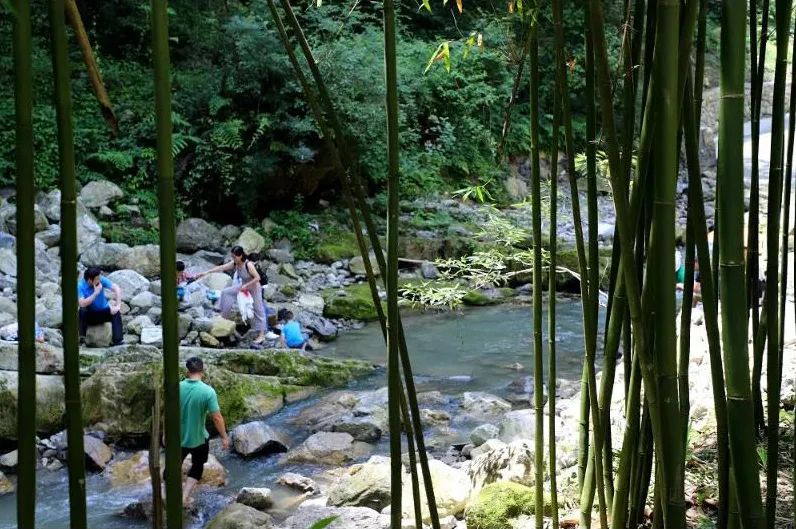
[243,396]
[492,296]
[498,503]
[336,246]
[355,303]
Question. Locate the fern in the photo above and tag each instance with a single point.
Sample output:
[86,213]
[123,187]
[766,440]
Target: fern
[227,134]
[262,127]
[122,161]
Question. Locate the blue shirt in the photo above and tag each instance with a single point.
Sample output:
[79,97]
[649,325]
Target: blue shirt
[86,289]
[292,332]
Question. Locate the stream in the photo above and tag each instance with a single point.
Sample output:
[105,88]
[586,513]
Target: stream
[484,349]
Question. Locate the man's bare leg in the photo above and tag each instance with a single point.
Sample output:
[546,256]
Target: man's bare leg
[187,491]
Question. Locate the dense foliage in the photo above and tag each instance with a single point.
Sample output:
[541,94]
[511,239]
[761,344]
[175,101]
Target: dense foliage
[244,140]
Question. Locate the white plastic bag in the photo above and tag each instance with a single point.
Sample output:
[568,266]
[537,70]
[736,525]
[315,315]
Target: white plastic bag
[245,305]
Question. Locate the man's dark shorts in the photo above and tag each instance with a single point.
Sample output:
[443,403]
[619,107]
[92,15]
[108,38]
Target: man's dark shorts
[199,455]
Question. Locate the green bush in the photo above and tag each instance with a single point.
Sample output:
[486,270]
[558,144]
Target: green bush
[497,504]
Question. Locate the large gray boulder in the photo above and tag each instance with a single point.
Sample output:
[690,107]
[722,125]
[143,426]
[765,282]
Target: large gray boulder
[89,232]
[256,437]
[256,498]
[98,454]
[49,404]
[105,255]
[329,448]
[49,359]
[50,204]
[365,485]
[50,236]
[239,516]
[99,335]
[517,425]
[99,193]
[318,325]
[130,281]
[251,241]
[513,462]
[451,491]
[480,403]
[347,518]
[197,234]
[216,281]
[357,265]
[143,259]
[8,262]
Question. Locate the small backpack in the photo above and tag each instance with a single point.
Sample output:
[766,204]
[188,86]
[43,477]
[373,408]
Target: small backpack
[261,272]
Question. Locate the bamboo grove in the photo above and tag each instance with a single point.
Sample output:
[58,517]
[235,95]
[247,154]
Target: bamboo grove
[644,115]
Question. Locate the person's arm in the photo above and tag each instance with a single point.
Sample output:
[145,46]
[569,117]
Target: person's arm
[226,267]
[221,428]
[85,302]
[255,277]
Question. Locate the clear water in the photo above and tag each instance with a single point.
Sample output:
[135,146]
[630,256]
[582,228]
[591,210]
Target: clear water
[471,350]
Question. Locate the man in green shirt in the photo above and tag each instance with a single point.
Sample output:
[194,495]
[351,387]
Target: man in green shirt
[197,401]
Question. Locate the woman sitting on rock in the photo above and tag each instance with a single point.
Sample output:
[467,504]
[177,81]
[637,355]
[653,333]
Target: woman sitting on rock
[246,279]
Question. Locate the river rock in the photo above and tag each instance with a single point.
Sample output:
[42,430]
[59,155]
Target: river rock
[483,433]
[347,518]
[434,417]
[118,398]
[208,340]
[139,322]
[486,446]
[196,234]
[429,270]
[365,485]
[517,425]
[6,487]
[50,204]
[99,193]
[143,259]
[49,403]
[135,471]
[152,336]
[8,262]
[50,236]
[104,255]
[98,454]
[513,462]
[130,281]
[251,241]
[256,437]
[480,403]
[143,301]
[239,516]
[222,328]
[451,491]
[329,448]
[363,415]
[89,232]
[357,265]
[311,302]
[324,329]
[281,256]
[49,359]
[8,461]
[216,281]
[288,479]
[256,498]
[99,335]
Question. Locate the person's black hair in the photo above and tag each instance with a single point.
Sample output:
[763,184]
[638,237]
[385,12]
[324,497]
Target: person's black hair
[195,365]
[91,272]
[180,266]
[239,252]
[254,256]
[288,316]
[281,313]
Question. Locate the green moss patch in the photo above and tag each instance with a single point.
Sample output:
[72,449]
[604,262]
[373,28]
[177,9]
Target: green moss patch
[355,304]
[336,246]
[498,503]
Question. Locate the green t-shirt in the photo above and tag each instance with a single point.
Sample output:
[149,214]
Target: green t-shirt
[197,399]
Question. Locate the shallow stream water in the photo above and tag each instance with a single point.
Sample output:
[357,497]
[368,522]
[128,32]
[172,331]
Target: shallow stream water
[485,349]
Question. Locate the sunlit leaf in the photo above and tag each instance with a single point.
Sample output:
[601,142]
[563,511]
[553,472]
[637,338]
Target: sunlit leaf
[319,3]
[428,5]
[442,53]
[511,6]
[480,40]
[519,7]
[433,58]
[459,5]
[446,56]
[468,45]
[324,522]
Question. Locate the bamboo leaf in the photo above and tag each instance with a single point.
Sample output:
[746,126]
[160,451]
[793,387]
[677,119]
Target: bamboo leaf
[324,522]
[427,5]
[459,5]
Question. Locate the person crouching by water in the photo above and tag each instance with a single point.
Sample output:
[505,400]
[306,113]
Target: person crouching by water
[247,279]
[292,337]
[94,306]
[197,401]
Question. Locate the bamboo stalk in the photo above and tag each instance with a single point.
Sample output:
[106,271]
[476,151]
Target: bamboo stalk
[94,76]
[26,266]
[783,22]
[740,412]
[68,247]
[391,273]
[154,459]
[536,202]
[168,252]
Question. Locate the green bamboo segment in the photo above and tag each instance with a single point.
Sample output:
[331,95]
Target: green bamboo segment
[740,412]
[619,507]
[68,247]
[788,176]
[391,273]
[783,22]
[26,269]
[168,253]
[684,348]
[699,60]
[699,222]
[536,204]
